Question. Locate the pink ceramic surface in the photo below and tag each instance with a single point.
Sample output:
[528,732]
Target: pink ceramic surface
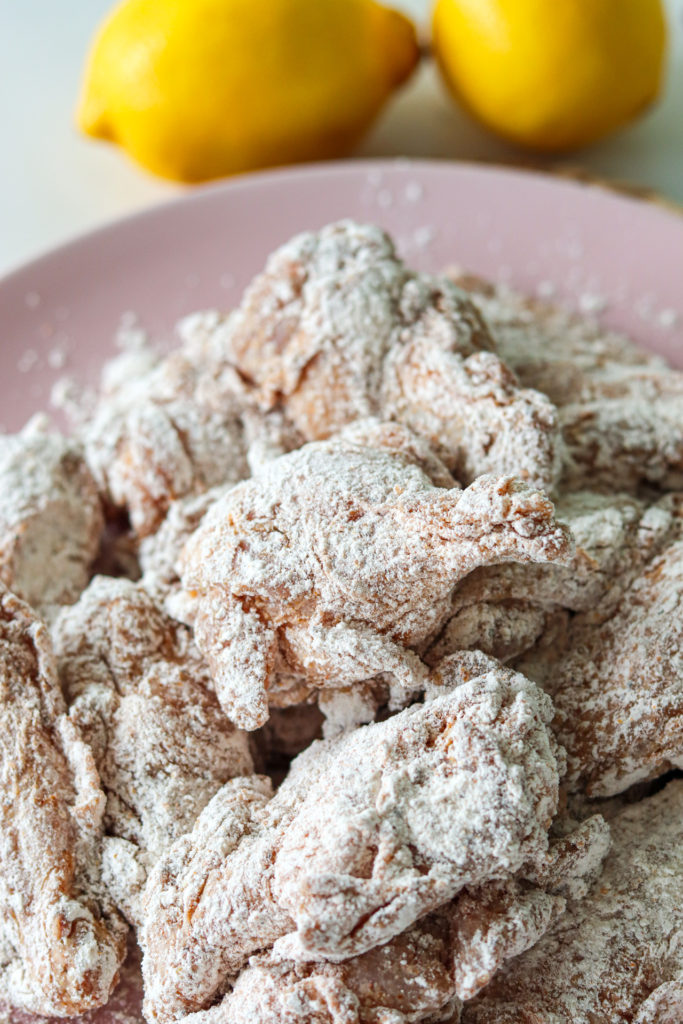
[619,255]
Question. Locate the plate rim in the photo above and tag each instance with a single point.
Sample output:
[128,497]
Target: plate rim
[322,169]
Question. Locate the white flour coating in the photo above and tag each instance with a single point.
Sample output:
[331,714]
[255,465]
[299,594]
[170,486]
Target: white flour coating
[504,610]
[616,955]
[337,328]
[366,834]
[124,1006]
[577,851]
[332,563]
[165,435]
[417,976]
[347,707]
[616,535]
[158,553]
[396,437]
[618,686]
[620,408]
[172,428]
[493,924]
[622,442]
[557,352]
[424,973]
[61,943]
[504,628]
[50,516]
[406,980]
[138,690]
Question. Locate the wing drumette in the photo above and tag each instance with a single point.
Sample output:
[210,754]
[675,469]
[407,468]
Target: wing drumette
[367,834]
[618,686]
[620,408]
[139,692]
[62,943]
[505,609]
[333,564]
[421,975]
[336,329]
[617,954]
[168,429]
[50,517]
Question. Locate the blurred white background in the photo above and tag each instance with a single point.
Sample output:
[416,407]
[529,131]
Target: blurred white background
[54,184]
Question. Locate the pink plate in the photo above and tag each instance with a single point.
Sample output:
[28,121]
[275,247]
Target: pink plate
[616,255]
[578,243]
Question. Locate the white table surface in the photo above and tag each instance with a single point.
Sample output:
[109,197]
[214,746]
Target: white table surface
[55,184]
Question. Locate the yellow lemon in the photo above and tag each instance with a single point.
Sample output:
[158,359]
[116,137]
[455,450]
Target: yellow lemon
[551,74]
[196,89]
